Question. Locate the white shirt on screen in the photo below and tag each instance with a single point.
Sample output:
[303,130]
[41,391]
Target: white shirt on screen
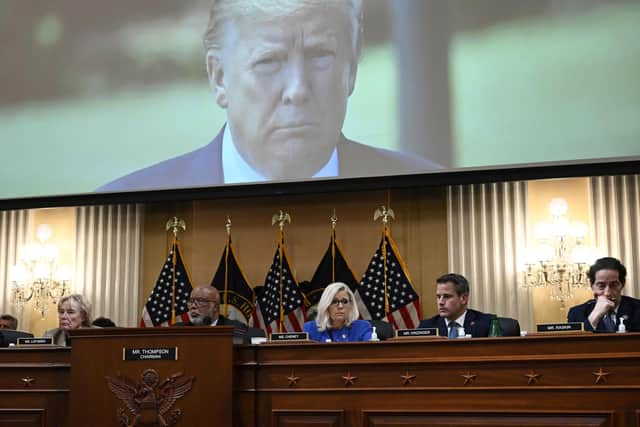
[236,170]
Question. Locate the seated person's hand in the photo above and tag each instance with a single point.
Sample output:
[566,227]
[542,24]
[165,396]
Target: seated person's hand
[602,307]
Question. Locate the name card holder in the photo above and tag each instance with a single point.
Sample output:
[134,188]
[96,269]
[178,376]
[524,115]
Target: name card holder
[417,333]
[146,353]
[27,341]
[288,336]
[560,327]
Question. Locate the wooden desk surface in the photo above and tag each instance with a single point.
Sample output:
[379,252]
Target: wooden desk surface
[542,380]
[34,386]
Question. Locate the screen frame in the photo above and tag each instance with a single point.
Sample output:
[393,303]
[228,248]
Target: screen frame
[594,167]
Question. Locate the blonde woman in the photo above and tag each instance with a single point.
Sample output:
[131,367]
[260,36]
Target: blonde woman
[337,319]
[74,312]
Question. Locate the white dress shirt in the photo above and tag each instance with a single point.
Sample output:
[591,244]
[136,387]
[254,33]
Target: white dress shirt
[236,170]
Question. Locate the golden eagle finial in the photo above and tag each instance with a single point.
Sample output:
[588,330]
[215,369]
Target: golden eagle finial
[174,224]
[281,218]
[384,213]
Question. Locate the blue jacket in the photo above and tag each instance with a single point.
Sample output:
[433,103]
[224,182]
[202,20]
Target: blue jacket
[360,330]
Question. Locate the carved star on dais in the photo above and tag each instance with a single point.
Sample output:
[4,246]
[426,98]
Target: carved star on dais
[601,376]
[293,379]
[532,377]
[28,381]
[349,379]
[407,378]
[468,377]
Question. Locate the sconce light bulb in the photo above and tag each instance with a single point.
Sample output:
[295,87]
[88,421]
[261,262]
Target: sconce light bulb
[43,232]
[558,206]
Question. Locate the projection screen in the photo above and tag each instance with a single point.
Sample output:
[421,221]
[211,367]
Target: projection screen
[125,96]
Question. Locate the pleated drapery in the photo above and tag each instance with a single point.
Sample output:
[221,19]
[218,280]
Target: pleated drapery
[13,234]
[615,209]
[109,260]
[487,229]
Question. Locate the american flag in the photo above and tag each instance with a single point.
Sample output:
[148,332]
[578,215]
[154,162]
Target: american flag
[236,296]
[266,314]
[401,304]
[157,310]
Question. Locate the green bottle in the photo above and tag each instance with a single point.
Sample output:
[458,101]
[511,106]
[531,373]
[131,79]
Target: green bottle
[494,329]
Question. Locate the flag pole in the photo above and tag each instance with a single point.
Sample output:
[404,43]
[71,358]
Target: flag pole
[334,220]
[384,213]
[174,224]
[227,225]
[281,218]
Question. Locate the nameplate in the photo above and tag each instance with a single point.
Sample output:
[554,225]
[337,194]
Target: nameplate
[146,353]
[560,327]
[34,341]
[421,332]
[289,336]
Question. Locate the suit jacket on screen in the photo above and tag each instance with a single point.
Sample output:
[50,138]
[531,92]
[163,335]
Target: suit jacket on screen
[203,167]
[628,308]
[476,323]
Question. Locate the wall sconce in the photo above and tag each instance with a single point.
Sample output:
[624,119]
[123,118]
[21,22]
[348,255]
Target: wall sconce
[559,261]
[37,277]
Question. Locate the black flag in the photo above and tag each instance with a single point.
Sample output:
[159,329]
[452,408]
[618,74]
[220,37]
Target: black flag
[236,295]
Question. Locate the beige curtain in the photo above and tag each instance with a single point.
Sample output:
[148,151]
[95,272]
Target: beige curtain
[487,232]
[13,234]
[109,260]
[615,209]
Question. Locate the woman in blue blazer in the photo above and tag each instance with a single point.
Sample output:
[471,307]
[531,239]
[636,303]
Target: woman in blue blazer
[337,319]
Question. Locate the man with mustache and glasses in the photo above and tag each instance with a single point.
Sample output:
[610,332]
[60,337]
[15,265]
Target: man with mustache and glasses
[204,310]
[609,307]
[283,70]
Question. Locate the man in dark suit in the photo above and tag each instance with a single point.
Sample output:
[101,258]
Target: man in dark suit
[609,307]
[283,71]
[7,321]
[453,296]
[204,310]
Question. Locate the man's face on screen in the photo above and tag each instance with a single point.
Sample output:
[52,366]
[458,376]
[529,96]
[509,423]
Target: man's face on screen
[285,81]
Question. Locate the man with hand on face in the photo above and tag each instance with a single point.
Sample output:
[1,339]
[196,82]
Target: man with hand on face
[452,294]
[204,310]
[283,70]
[604,313]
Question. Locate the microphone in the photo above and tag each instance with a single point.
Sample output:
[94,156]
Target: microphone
[206,321]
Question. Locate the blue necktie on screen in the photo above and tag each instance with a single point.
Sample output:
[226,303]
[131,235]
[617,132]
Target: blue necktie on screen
[453,330]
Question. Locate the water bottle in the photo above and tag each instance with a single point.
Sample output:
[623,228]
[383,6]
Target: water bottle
[494,329]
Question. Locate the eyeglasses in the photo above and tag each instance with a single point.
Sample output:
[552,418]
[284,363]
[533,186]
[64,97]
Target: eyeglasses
[199,302]
[342,301]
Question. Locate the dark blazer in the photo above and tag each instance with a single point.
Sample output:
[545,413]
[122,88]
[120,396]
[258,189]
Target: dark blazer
[629,307]
[476,323]
[203,167]
[242,333]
